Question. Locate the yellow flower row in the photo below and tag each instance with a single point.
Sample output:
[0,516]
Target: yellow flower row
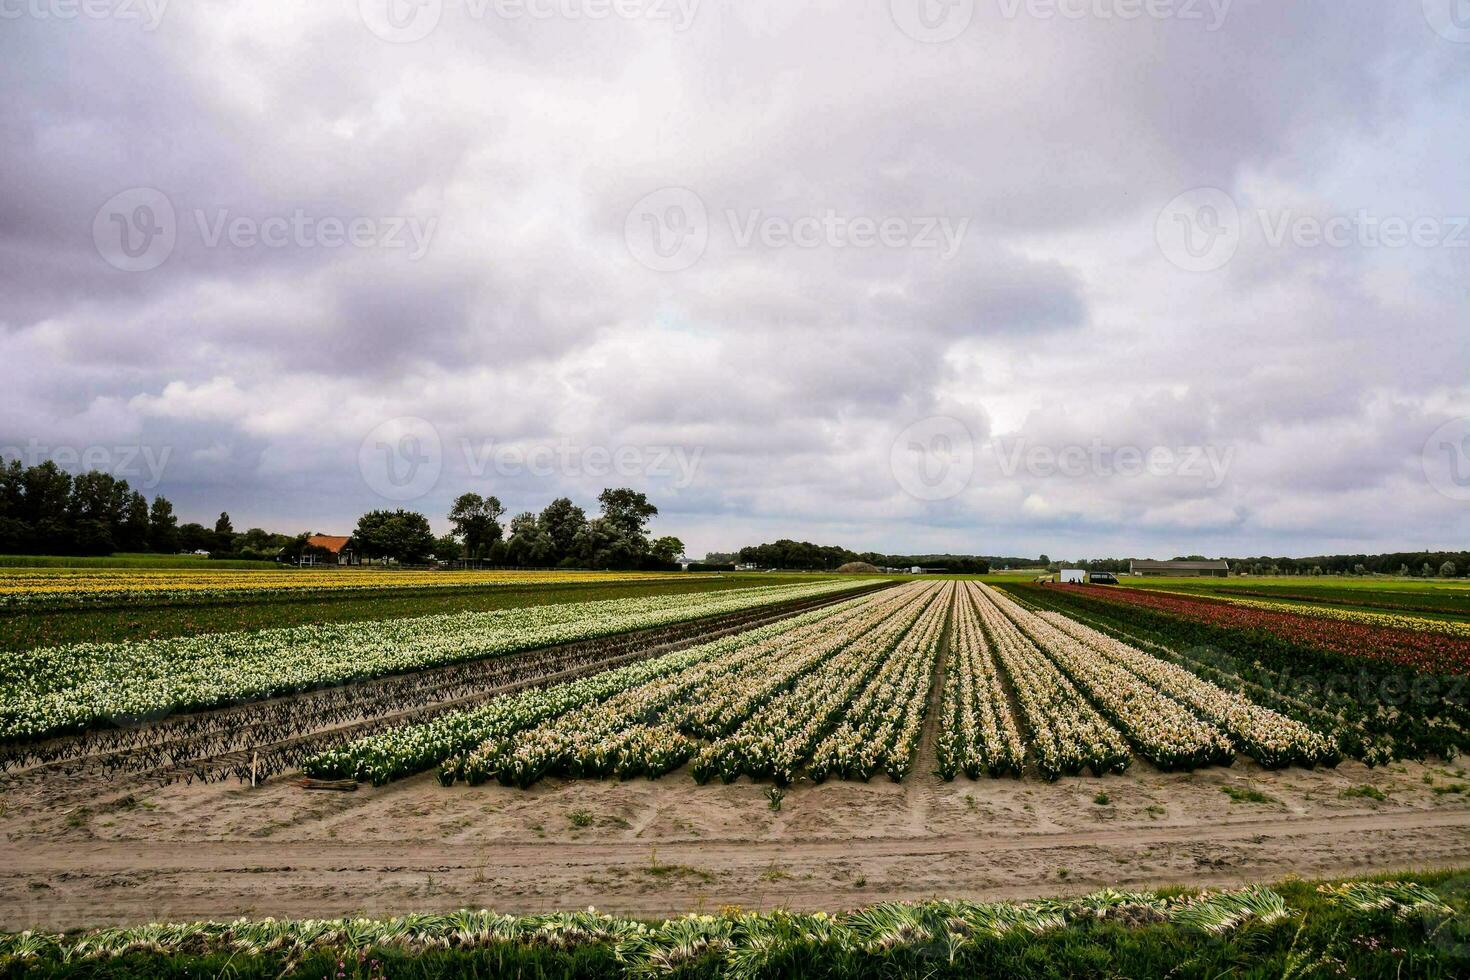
[32,586]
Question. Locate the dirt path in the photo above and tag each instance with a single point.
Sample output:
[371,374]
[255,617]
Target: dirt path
[922,775]
[206,856]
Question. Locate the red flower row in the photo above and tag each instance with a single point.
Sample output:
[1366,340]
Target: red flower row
[1416,650]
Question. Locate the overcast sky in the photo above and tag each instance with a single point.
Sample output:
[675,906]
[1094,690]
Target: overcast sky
[1096,277]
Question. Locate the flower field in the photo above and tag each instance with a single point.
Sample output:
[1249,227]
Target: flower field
[844,692]
[1375,709]
[1403,644]
[67,688]
[1393,620]
[59,588]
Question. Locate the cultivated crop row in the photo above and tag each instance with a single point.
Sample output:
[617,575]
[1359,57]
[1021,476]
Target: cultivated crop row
[978,732]
[55,690]
[651,729]
[64,588]
[449,739]
[1065,732]
[843,692]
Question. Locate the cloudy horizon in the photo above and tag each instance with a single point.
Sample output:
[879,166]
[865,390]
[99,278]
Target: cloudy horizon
[1006,277]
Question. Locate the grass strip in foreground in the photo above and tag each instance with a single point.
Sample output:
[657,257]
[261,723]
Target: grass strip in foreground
[1366,928]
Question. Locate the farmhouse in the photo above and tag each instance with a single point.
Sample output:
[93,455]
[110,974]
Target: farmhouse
[1180,569]
[329,549]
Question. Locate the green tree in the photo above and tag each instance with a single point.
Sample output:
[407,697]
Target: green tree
[133,535]
[195,537]
[448,548]
[224,534]
[561,522]
[163,527]
[400,535]
[1448,570]
[476,521]
[528,544]
[667,549]
[626,511]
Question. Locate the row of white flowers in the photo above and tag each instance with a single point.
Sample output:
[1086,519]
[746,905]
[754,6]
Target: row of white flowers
[977,733]
[1271,738]
[1067,734]
[409,749]
[56,689]
[781,735]
[880,730]
[629,734]
[1162,730]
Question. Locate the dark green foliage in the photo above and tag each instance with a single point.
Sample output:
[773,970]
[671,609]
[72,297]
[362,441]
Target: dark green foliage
[1370,928]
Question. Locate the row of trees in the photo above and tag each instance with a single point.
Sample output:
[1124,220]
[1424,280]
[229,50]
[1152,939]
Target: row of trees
[804,555]
[46,510]
[561,535]
[1416,564]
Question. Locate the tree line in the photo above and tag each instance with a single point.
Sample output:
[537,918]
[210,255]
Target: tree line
[46,510]
[1409,564]
[805,556]
[561,535]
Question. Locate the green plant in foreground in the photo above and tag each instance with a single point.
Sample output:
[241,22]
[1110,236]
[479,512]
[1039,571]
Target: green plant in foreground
[1363,928]
[1238,794]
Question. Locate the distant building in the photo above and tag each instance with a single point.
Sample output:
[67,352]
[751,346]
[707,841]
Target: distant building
[1073,576]
[1180,569]
[329,549]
